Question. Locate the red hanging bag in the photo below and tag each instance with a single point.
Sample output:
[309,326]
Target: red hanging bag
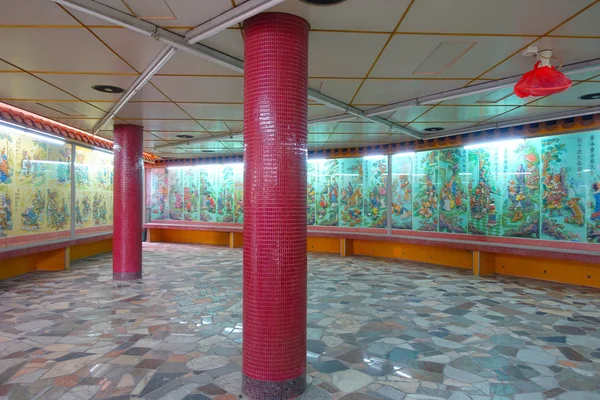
[542,81]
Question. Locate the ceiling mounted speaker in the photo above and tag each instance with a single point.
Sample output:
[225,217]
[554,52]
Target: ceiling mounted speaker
[544,79]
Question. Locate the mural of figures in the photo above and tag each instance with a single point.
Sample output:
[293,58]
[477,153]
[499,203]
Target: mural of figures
[191,194]
[94,176]
[225,194]
[30,210]
[176,194]
[425,195]
[563,186]
[83,209]
[327,192]
[100,207]
[7,167]
[520,182]
[351,192]
[238,193]
[375,191]
[83,164]
[592,174]
[453,193]
[159,194]
[485,197]
[30,157]
[402,176]
[58,209]
[311,176]
[6,211]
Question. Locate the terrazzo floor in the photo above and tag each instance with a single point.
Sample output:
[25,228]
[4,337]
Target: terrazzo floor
[377,329]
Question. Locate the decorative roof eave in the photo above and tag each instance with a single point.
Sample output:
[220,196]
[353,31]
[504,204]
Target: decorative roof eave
[548,128]
[29,120]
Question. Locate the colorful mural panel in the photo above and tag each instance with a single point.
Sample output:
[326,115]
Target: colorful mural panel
[485,191]
[402,186]
[350,179]
[94,174]
[453,200]
[425,195]
[592,174]
[327,192]
[375,187]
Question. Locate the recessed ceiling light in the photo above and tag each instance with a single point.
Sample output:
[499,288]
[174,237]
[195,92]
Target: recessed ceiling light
[108,89]
[322,2]
[184,136]
[434,129]
[207,151]
[590,96]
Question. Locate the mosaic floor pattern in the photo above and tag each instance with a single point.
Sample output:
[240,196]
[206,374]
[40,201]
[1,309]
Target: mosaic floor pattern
[377,329]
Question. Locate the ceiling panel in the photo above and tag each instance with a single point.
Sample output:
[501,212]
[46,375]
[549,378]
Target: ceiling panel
[81,86]
[397,138]
[571,96]
[361,127]
[461,114]
[36,49]
[335,54]
[406,53]
[319,111]
[137,49]
[172,136]
[526,112]
[214,126]
[90,20]
[201,89]
[7,67]
[61,109]
[489,16]
[215,111]
[194,12]
[83,124]
[340,89]
[106,134]
[24,86]
[152,111]
[19,12]
[376,91]
[421,126]
[322,127]
[585,24]
[183,63]
[170,125]
[568,50]
[372,15]
[228,41]
[499,97]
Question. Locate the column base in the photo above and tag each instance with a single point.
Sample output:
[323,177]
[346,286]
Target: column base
[127,276]
[282,390]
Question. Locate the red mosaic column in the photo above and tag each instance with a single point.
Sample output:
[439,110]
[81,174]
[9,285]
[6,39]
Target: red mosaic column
[128,202]
[275,135]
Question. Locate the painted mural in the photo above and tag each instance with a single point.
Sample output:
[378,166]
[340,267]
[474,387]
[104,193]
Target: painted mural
[543,188]
[351,192]
[402,178]
[426,192]
[93,188]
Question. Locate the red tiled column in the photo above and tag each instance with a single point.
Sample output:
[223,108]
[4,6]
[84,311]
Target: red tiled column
[275,135]
[128,200]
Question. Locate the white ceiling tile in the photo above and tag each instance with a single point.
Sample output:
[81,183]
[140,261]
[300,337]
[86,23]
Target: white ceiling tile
[340,89]
[81,86]
[24,86]
[215,111]
[172,136]
[406,53]
[83,124]
[228,41]
[19,12]
[489,16]
[61,109]
[49,49]
[499,97]
[6,67]
[183,63]
[568,50]
[201,89]
[421,126]
[151,110]
[525,112]
[571,96]
[361,127]
[461,114]
[138,50]
[106,134]
[234,126]
[170,125]
[194,12]
[336,54]
[319,111]
[372,15]
[390,91]
[397,138]
[214,126]
[585,24]
[409,114]
[91,20]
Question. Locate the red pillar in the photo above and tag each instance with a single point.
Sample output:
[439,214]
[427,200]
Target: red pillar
[275,135]
[128,200]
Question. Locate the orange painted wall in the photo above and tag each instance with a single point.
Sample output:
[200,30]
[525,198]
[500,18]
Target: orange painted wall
[90,249]
[187,236]
[323,245]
